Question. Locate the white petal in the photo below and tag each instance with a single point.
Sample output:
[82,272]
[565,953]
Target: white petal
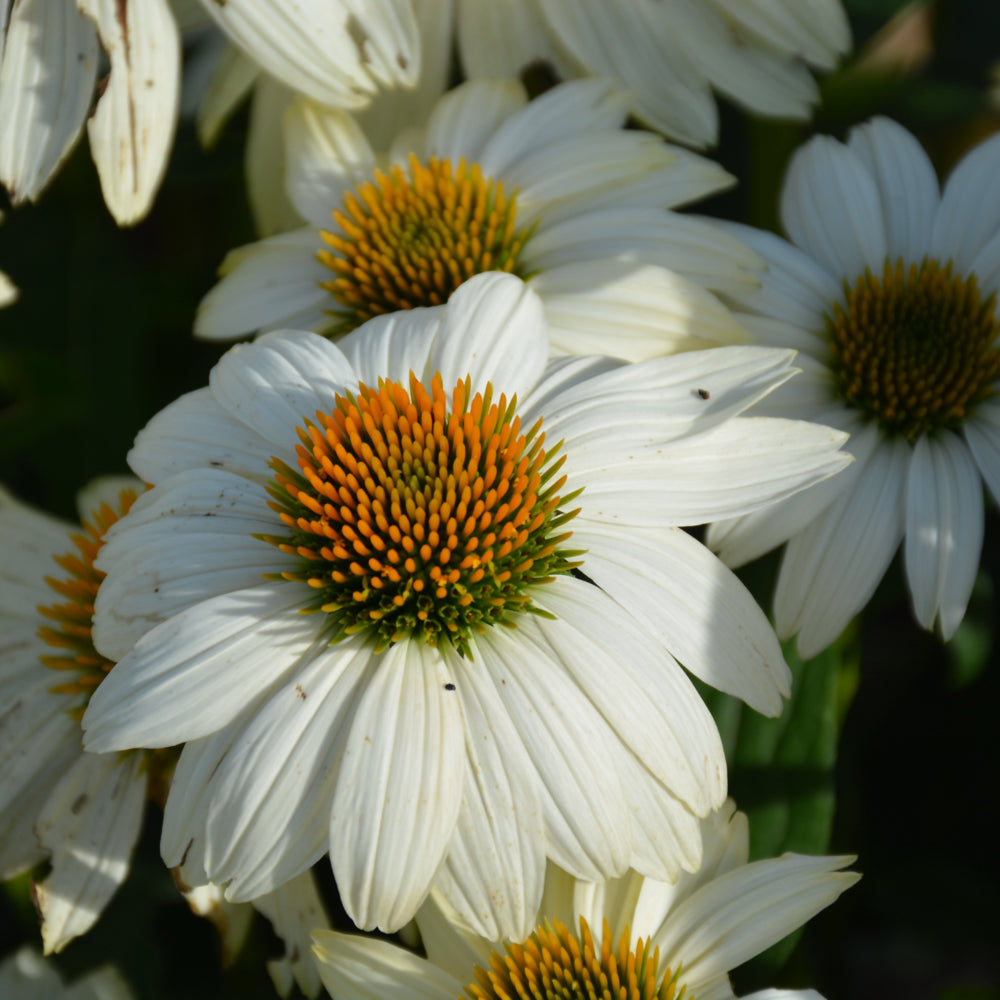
[327,155]
[493,330]
[46,86]
[601,411]
[30,540]
[132,129]
[830,207]
[639,689]
[365,968]
[274,384]
[944,530]
[399,788]
[969,214]
[467,117]
[295,910]
[195,432]
[335,52]
[189,540]
[501,39]
[232,80]
[906,182]
[832,567]
[698,249]
[583,105]
[794,288]
[195,672]
[628,42]
[268,801]
[629,311]
[694,605]
[735,468]
[982,433]
[264,285]
[739,914]
[572,748]
[492,877]
[90,825]
[393,345]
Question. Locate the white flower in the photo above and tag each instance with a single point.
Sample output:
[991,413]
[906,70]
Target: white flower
[25,975]
[48,78]
[421,722]
[687,935]
[889,293]
[556,191]
[671,53]
[86,809]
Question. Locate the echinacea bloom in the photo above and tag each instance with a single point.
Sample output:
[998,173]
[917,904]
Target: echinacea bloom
[888,290]
[83,812]
[355,592]
[629,938]
[25,975]
[48,80]
[670,53]
[555,191]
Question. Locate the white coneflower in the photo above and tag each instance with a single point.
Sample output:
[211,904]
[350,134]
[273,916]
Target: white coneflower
[356,587]
[555,191]
[630,938]
[888,290]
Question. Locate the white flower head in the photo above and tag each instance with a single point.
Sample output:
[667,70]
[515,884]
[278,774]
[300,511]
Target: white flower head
[888,289]
[48,79]
[555,191]
[629,937]
[361,592]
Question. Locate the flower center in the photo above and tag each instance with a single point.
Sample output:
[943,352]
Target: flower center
[83,665]
[554,964]
[915,349]
[413,519]
[412,237]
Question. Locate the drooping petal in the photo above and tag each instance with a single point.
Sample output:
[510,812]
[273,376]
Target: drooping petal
[47,81]
[832,567]
[90,826]
[982,434]
[399,789]
[132,129]
[944,530]
[697,608]
[198,670]
[336,52]
[492,877]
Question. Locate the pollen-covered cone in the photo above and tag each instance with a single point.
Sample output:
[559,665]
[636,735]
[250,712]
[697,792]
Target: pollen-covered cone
[672,54]
[888,289]
[363,592]
[556,191]
[623,939]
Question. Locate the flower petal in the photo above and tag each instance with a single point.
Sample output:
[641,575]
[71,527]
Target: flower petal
[194,673]
[47,79]
[493,874]
[393,345]
[467,117]
[694,605]
[90,826]
[399,789]
[944,530]
[969,214]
